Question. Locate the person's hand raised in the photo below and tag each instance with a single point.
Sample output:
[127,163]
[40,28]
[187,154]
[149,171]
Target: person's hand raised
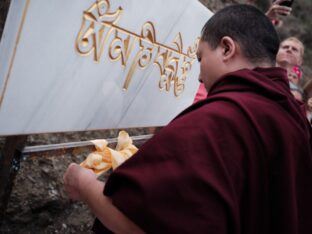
[277,10]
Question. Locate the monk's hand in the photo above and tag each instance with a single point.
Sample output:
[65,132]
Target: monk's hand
[77,180]
[277,10]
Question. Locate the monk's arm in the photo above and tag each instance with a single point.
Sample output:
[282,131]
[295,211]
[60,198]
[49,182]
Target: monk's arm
[81,184]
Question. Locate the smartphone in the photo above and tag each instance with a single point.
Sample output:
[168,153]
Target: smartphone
[287,3]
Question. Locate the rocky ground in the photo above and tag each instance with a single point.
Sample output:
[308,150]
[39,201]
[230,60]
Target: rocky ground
[38,203]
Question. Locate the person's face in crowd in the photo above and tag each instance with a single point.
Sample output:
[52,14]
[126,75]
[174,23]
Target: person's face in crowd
[226,57]
[289,53]
[293,77]
[210,61]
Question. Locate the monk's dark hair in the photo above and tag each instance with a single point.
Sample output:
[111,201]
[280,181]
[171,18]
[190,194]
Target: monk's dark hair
[249,27]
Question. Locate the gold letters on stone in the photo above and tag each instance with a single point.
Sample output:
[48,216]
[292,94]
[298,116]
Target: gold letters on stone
[100,29]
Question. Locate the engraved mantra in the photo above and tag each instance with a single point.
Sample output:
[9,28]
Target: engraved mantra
[99,28]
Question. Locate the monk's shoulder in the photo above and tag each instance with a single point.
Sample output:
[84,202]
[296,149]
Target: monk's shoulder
[217,112]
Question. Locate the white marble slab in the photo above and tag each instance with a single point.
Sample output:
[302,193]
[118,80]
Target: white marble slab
[49,85]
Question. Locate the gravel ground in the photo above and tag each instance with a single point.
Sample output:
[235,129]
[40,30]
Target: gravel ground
[38,203]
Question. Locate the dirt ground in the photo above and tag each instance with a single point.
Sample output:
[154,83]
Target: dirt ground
[38,203]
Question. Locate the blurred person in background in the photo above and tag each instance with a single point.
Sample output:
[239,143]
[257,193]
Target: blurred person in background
[296,91]
[290,53]
[290,57]
[294,74]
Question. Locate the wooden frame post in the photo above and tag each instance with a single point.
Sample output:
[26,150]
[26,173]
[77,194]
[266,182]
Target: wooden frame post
[9,164]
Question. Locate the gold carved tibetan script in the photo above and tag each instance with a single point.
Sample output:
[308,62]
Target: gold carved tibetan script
[100,29]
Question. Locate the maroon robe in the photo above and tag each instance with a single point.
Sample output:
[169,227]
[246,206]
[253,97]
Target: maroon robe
[236,162]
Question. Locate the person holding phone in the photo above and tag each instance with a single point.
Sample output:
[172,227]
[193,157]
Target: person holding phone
[279,8]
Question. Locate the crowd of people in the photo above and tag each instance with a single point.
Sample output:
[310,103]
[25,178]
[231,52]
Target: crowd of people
[290,57]
[237,161]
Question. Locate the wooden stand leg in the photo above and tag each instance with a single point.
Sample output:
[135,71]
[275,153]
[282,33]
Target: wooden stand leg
[9,164]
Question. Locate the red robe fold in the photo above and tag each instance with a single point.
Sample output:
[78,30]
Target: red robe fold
[237,162]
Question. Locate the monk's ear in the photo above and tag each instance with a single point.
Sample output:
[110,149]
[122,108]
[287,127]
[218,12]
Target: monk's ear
[229,48]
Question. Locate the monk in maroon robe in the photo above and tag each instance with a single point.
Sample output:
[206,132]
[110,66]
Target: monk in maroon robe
[239,161]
